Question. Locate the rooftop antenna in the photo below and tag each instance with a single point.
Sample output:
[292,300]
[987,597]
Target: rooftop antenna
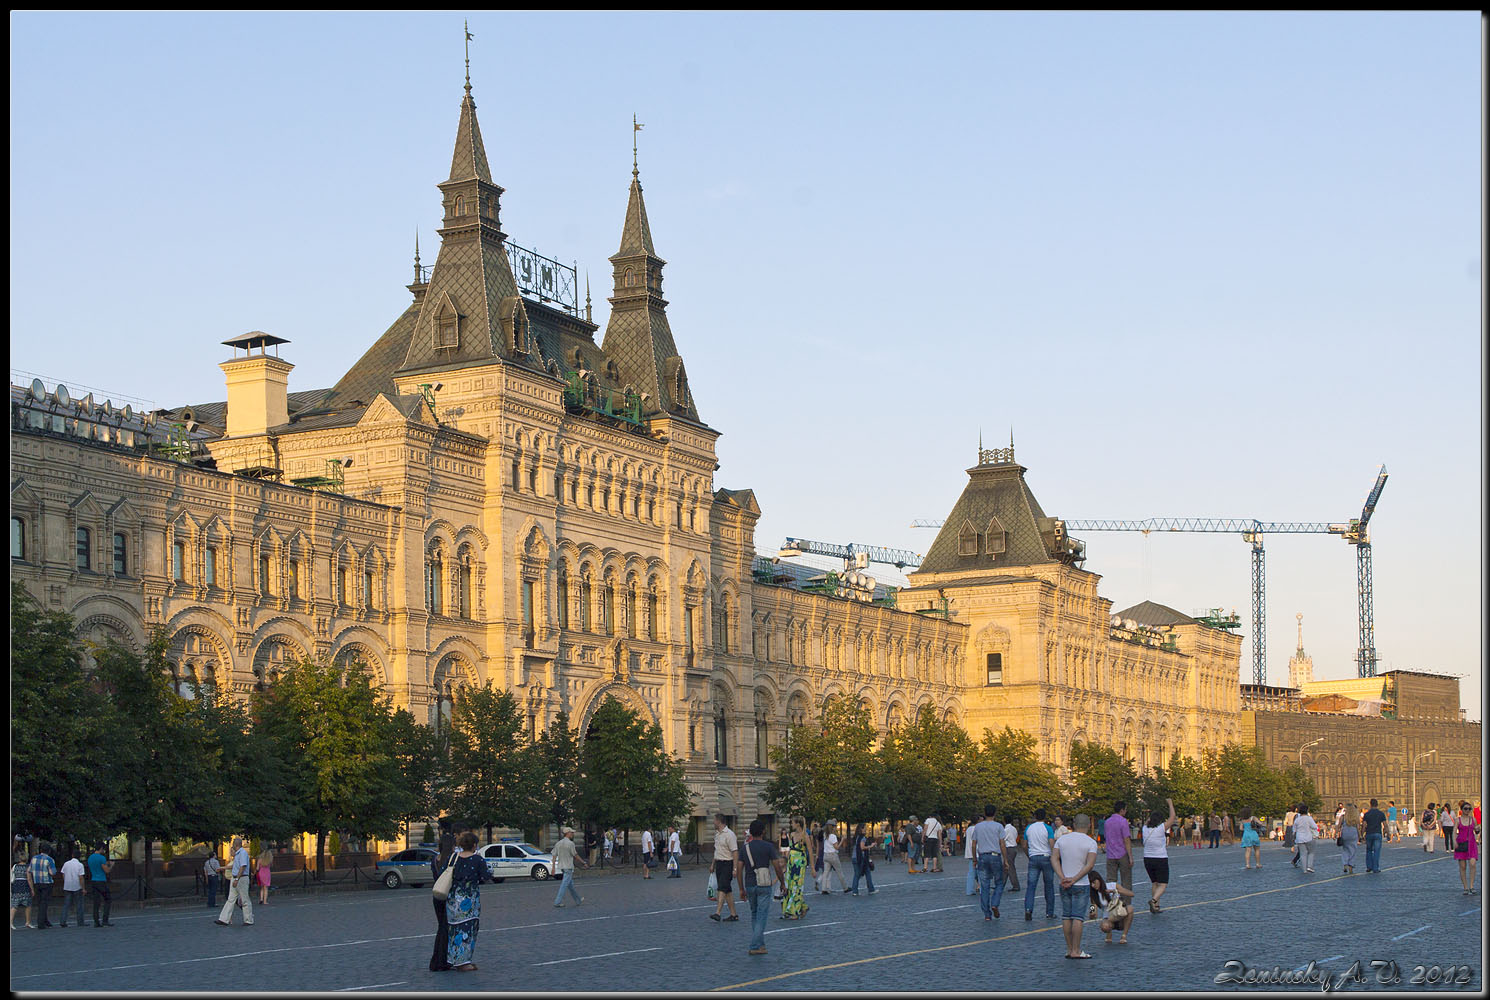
[469,36]
[635,128]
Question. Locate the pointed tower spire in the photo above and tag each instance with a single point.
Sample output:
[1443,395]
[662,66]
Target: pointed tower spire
[418,271]
[1301,633]
[637,334]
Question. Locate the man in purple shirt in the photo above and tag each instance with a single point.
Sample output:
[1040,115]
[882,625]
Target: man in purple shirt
[1116,832]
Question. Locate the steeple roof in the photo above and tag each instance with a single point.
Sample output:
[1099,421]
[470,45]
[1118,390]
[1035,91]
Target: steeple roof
[636,234]
[469,160]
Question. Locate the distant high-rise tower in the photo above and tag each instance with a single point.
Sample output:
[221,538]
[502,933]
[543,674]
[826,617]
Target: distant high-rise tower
[1301,666]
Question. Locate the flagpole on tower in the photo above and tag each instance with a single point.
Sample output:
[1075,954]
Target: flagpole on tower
[469,36]
[635,128]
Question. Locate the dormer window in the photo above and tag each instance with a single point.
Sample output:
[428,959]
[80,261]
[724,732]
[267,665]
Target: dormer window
[967,540]
[446,327]
[997,537]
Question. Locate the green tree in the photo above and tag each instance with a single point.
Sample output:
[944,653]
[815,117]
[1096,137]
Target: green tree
[65,778]
[1296,787]
[560,749]
[1007,772]
[929,764]
[829,770]
[1184,780]
[491,762]
[334,726]
[252,790]
[1101,776]
[1240,777]
[421,756]
[626,776]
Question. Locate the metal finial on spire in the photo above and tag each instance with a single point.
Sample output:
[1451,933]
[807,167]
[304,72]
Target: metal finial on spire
[1301,633]
[469,36]
[635,128]
[587,298]
[418,272]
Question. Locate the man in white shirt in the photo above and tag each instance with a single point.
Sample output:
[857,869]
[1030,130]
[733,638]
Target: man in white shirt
[931,837]
[1304,832]
[675,850]
[72,887]
[830,860]
[726,853]
[1037,846]
[1011,841]
[238,890]
[646,854]
[1074,855]
[972,860]
[988,847]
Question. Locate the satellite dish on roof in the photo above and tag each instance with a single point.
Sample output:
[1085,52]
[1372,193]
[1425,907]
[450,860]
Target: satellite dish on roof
[63,399]
[38,389]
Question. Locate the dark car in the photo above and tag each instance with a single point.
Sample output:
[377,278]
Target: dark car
[411,866]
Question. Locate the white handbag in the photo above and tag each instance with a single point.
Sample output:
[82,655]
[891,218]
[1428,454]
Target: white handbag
[446,879]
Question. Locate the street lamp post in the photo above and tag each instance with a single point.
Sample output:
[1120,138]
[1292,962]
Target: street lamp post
[1305,747]
[1425,753]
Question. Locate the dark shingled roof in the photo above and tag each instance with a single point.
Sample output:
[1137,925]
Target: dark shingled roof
[992,491]
[1149,613]
[373,372]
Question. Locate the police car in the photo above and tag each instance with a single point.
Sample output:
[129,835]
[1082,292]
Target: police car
[513,858]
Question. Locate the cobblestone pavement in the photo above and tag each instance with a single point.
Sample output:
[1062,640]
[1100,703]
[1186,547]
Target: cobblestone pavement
[918,932]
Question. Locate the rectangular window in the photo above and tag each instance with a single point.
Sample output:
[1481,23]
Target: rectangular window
[121,559]
[209,567]
[341,585]
[608,611]
[528,608]
[652,616]
[516,473]
[264,575]
[465,590]
[692,738]
[584,606]
[688,628]
[294,580]
[631,613]
[178,562]
[83,539]
[367,589]
[17,538]
[563,602]
[995,668]
[533,479]
[680,514]
[558,487]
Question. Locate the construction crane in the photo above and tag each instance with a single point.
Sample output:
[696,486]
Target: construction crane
[853,554]
[1252,532]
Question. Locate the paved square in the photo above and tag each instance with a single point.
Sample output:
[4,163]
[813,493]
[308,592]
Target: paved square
[920,932]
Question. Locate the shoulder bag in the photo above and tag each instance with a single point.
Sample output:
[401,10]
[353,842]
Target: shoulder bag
[762,875]
[446,879]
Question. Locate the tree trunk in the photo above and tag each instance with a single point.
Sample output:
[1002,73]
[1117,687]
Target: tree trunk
[148,844]
[320,853]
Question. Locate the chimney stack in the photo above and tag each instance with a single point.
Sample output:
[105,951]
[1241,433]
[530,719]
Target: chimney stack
[258,385]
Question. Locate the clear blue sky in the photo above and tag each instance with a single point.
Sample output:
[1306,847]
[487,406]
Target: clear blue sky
[1217,265]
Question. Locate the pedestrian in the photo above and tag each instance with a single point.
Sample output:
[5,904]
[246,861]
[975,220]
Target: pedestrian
[1466,846]
[1305,830]
[1196,824]
[20,887]
[463,905]
[263,874]
[755,865]
[1251,840]
[1288,819]
[1108,901]
[863,863]
[1011,841]
[1074,857]
[1119,856]
[816,833]
[41,872]
[211,874]
[992,853]
[1371,826]
[439,959]
[971,884]
[1430,827]
[239,894]
[610,844]
[931,844]
[798,863]
[1037,866]
[830,860]
[1349,839]
[1446,827]
[72,886]
[1392,833]
[726,855]
[889,846]
[674,852]
[592,845]
[647,862]
[1213,830]
[99,867]
[1156,853]
[1062,827]
[565,855]
[914,834]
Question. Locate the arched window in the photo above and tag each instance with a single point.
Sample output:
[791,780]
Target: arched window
[631,597]
[584,603]
[465,588]
[84,546]
[996,537]
[967,540]
[608,608]
[760,736]
[563,597]
[121,554]
[721,738]
[652,614]
[17,538]
[434,583]
[460,205]
[628,278]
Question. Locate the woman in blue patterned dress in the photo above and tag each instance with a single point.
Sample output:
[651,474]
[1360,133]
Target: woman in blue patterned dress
[463,905]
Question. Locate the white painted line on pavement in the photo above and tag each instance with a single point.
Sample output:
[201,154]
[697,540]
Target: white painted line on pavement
[804,927]
[218,958]
[1399,937]
[1468,912]
[349,989]
[939,909]
[583,958]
